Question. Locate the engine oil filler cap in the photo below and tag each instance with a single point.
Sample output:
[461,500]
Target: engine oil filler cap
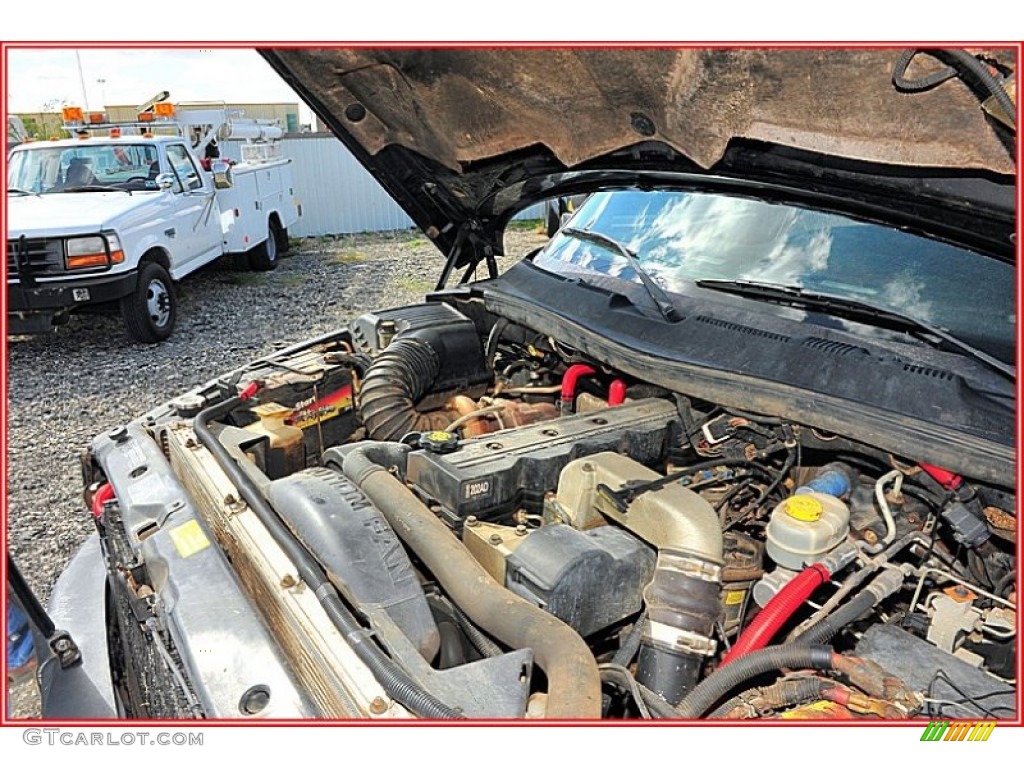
[439,441]
[804,508]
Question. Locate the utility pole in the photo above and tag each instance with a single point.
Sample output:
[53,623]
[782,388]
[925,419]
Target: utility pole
[81,79]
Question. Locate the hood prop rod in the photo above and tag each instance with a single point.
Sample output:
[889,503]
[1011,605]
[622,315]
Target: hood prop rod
[59,640]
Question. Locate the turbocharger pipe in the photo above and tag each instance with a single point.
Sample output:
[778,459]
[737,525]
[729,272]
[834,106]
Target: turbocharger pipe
[574,683]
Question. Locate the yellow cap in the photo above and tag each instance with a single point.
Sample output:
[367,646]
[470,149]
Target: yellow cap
[805,508]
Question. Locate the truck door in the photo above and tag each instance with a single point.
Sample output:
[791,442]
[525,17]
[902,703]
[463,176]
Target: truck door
[196,237]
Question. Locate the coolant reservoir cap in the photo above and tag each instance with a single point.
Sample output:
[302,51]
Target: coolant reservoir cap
[805,508]
[439,441]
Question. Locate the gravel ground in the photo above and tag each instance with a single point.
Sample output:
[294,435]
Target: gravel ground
[68,386]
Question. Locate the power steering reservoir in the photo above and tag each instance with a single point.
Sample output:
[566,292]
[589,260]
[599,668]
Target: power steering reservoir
[805,527]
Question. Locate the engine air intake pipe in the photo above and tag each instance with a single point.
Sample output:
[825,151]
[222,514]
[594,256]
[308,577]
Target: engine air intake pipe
[574,682]
[395,381]
[682,605]
[682,597]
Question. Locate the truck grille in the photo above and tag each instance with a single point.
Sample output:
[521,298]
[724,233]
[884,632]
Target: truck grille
[43,255]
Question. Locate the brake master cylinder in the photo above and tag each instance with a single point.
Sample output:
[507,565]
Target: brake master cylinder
[806,527]
[802,530]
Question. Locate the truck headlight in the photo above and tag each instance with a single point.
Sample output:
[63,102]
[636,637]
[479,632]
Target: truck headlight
[83,252]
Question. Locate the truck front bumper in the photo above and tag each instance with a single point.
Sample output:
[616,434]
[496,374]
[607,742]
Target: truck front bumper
[37,307]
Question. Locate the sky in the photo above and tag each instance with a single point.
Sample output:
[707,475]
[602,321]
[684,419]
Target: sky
[45,79]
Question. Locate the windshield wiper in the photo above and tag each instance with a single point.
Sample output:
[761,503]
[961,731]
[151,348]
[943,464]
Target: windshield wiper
[857,310]
[19,191]
[655,291]
[97,188]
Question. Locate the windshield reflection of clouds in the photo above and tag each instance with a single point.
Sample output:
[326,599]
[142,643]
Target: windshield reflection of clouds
[791,265]
[681,237]
[905,293]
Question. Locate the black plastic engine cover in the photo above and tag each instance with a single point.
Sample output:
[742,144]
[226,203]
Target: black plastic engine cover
[490,475]
[360,552]
[589,579]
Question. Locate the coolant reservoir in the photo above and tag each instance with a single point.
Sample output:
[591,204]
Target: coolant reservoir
[286,453]
[805,527]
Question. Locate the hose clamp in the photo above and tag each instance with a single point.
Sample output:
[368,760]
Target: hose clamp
[679,640]
[694,567]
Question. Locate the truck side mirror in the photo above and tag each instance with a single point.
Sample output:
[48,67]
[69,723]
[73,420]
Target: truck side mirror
[165,180]
[222,176]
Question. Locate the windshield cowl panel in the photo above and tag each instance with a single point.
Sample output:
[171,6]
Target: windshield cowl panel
[718,349]
[682,237]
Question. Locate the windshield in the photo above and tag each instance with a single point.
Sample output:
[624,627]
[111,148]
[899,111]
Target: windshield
[681,237]
[46,170]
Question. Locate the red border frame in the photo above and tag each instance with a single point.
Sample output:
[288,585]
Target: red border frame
[5,47]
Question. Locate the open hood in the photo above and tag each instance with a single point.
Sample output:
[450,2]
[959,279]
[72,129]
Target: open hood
[464,137]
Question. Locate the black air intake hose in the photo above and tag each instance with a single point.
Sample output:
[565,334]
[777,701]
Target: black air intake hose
[391,677]
[726,678]
[394,383]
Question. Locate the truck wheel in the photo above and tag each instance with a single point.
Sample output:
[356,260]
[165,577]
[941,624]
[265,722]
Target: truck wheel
[283,244]
[263,257]
[150,310]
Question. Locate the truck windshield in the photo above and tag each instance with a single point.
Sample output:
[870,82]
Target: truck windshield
[680,238]
[120,165]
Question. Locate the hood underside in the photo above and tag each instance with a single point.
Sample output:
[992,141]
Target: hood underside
[443,128]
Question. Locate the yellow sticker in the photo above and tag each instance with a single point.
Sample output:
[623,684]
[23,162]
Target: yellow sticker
[189,539]
[735,597]
[815,708]
[805,508]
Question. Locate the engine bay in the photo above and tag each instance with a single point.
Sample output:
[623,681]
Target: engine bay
[501,526]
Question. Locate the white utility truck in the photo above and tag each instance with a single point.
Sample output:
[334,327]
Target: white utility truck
[109,218]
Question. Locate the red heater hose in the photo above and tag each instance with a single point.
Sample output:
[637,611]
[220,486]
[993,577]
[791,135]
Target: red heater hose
[570,378]
[103,494]
[778,610]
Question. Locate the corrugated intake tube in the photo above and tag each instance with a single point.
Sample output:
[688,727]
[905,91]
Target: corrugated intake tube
[778,610]
[391,677]
[395,381]
[725,679]
[574,683]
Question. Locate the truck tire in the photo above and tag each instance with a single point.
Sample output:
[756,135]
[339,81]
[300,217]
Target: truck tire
[150,310]
[283,243]
[263,257]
